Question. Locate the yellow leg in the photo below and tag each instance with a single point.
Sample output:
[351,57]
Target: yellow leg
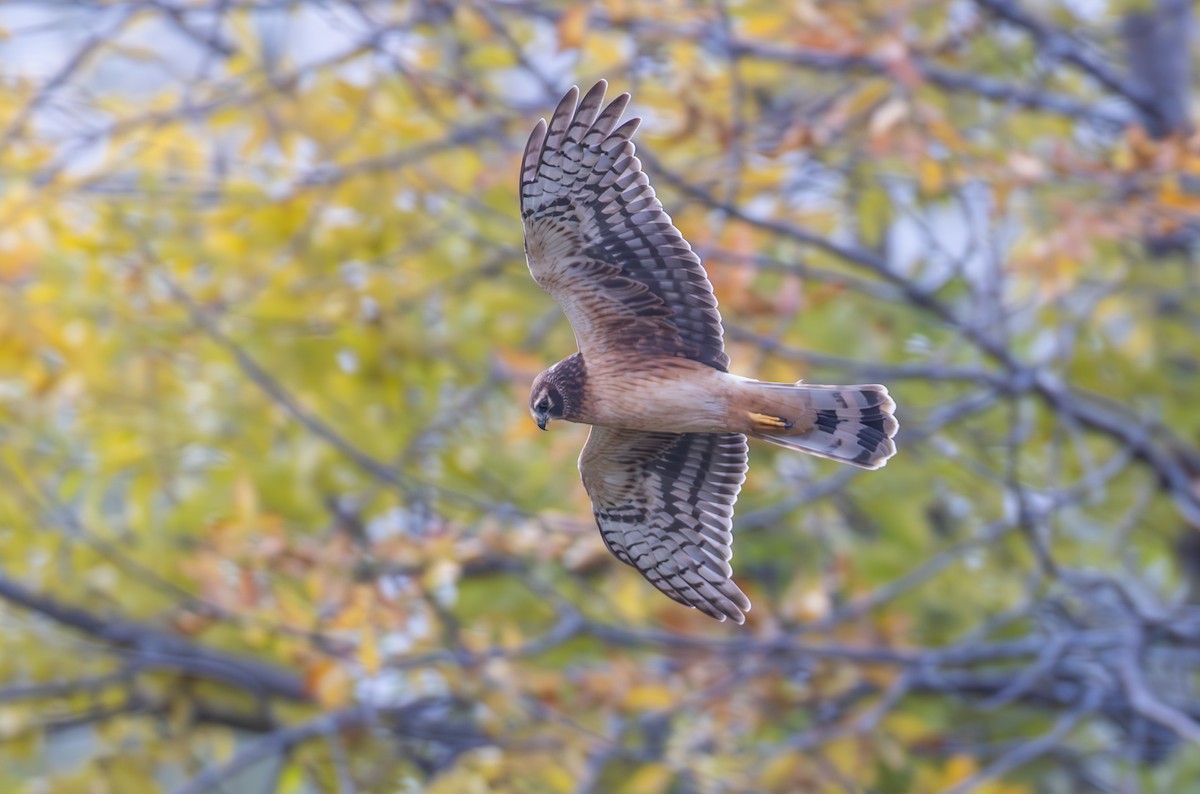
[766,423]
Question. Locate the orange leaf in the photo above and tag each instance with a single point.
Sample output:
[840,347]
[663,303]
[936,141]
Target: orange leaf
[329,683]
[572,27]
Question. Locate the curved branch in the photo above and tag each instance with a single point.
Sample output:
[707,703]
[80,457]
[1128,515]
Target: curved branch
[275,744]
[152,648]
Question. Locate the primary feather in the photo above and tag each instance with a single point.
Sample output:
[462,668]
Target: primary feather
[598,240]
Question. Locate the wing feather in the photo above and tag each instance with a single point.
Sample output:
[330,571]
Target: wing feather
[598,240]
[664,505]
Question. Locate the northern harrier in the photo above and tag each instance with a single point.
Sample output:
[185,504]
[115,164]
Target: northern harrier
[667,454]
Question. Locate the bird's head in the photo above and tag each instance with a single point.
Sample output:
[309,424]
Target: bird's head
[545,399]
[558,393]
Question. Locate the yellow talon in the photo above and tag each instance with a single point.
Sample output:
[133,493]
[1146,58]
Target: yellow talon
[767,422]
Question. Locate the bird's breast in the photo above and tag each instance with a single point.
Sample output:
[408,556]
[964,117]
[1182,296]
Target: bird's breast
[665,395]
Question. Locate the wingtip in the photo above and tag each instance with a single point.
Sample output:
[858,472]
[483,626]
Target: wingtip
[627,128]
[735,610]
[732,616]
[735,615]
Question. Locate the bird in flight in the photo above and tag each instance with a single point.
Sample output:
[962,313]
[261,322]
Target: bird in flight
[667,454]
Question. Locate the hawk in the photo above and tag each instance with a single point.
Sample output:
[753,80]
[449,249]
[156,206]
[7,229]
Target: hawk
[667,454]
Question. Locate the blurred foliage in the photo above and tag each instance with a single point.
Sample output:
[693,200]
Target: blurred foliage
[266,335]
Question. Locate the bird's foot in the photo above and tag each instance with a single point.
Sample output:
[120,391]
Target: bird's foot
[765,423]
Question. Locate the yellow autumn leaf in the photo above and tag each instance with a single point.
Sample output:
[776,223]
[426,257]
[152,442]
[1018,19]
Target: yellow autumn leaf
[291,780]
[931,177]
[471,22]
[959,768]
[648,697]
[355,613]
[648,779]
[778,771]
[368,651]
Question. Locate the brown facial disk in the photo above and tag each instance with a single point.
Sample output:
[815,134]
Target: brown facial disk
[557,393]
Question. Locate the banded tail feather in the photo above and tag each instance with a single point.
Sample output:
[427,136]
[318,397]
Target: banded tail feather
[849,424]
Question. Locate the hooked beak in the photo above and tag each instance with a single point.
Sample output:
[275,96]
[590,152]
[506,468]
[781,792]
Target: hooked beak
[541,422]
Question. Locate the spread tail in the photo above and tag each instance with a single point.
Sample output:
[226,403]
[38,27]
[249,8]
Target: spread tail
[849,424]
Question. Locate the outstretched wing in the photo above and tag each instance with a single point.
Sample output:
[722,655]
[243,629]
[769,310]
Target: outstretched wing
[597,239]
[664,504]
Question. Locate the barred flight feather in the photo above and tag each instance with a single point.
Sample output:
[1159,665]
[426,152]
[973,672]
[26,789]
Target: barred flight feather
[681,540]
[591,217]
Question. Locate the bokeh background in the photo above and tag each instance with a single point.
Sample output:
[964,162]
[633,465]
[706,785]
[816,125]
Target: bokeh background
[274,517]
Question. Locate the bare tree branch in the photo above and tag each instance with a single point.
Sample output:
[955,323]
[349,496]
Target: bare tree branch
[147,648]
[950,79]
[275,745]
[1056,44]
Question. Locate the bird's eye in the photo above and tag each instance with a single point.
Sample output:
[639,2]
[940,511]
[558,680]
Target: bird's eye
[544,404]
